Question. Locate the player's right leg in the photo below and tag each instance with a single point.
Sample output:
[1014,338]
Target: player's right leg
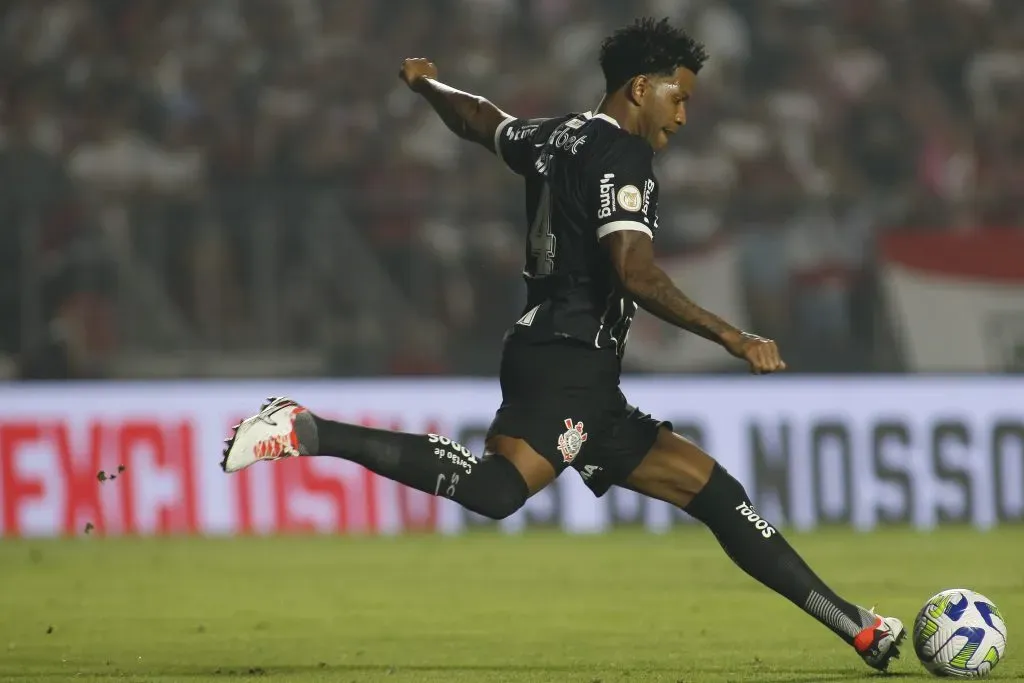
[679,472]
[495,485]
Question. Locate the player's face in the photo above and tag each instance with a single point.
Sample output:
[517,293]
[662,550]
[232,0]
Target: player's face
[663,106]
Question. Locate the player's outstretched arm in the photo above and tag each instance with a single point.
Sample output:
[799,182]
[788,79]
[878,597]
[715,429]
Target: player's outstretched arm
[632,256]
[469,116]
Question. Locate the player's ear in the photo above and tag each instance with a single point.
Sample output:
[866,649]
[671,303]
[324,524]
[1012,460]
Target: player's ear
[636,88]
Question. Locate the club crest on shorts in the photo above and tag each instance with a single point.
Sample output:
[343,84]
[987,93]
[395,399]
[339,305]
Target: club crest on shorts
[570,443]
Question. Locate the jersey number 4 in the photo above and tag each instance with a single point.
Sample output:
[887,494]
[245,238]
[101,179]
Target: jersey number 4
[543,244]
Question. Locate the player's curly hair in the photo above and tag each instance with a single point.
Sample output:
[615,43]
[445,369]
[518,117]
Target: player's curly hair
[648,47]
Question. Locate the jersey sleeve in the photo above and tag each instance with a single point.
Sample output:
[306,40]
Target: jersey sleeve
[514,142]
[622,192]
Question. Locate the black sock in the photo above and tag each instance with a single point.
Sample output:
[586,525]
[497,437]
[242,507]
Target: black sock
[761,551]
[490,486]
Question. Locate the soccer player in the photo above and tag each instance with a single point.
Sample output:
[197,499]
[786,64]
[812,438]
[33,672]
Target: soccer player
[592,213]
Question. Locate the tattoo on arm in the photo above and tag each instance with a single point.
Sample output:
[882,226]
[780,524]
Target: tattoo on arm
[632,256]
[655,292]
[469,116]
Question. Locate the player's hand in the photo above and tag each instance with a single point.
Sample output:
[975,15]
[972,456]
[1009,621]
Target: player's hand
[416,68]
[762,354]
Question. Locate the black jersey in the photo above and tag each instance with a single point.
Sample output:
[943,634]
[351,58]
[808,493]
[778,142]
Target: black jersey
[585,178]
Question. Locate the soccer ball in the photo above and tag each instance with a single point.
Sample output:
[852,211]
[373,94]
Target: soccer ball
[959,633]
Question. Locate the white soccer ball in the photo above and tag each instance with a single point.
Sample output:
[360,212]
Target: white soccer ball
[959,633]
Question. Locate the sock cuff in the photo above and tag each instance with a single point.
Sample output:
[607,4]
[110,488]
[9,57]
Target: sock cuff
[723,491]
[307,430]
[511,473]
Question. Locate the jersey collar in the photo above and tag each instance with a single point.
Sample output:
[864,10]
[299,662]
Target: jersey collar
[605,117]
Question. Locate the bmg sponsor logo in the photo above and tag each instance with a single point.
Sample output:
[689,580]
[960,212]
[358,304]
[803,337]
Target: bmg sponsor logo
[607,196]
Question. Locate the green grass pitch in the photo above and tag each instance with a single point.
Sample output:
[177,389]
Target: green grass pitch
[542,606]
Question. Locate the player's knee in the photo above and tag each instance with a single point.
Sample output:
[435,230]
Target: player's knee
[508,492]
[494,489]
[505,502]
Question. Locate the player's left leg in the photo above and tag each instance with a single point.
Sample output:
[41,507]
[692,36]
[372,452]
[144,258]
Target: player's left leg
[494,485]
[676,471]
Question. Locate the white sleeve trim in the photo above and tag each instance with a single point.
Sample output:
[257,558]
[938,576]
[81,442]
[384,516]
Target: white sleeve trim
[615,226]
[497,136]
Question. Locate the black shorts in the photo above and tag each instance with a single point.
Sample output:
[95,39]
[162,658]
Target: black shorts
[563,399]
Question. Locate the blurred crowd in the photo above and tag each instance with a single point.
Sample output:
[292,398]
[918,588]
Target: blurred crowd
[218,187]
